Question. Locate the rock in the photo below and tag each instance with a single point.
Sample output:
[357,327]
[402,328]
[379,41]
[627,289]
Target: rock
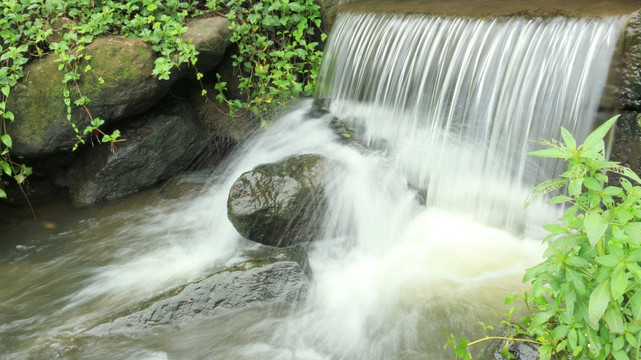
[157,146]
[630,91]
[219,123]
[41,126]
[280,204]
[279,278]
[329,9]
[627,142]
[211,37]
[520,349]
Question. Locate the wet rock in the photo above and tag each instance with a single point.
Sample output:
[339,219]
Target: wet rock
[280,204]
[278,278]
[157,146]
[630,93]
[520,349]
[329,9]
[41,126]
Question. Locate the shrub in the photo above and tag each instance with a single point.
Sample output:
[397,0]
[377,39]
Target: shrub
[585,300]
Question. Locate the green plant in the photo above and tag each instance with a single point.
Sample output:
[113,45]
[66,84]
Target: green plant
[585,300]
[278,56]
[27,32]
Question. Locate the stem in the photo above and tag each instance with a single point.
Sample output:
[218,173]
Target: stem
[502,338]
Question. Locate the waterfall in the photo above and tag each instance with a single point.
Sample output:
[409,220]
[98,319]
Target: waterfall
[425,228]
[457,99]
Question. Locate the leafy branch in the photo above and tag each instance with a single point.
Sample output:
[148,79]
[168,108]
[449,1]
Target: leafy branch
[585,297]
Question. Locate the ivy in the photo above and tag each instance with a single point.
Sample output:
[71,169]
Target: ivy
[277,50]
[278,55]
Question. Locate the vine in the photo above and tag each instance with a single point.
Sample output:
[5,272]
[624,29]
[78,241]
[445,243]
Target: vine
[277,56]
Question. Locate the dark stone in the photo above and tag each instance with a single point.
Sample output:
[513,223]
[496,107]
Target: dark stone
[157,146]
[630,93]
[627,146]
[278,278]
[329,9]
[281,203]
[41,126]
[520,349]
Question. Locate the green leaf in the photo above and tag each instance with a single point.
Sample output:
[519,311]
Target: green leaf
[595,226]
[560,332]
[545,352]
[569,140]
[2,194]
[599,300]
[592,184]
[636,255]
[620,355]
[634,304]
[608,260]
[576,280]
[8,115]
[614,319]
[619,281]
[572,339]
[461,350]
[595,341]
[559,199]
[598,135]
[6,140]
[6,167]
[553,153]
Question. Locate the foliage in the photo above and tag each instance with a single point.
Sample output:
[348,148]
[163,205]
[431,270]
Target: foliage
[278,57]
[585,300]
[32,29]
[277,54]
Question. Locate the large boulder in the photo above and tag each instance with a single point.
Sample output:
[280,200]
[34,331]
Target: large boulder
[156,146]
[41,126]
[279,278]
[281,203]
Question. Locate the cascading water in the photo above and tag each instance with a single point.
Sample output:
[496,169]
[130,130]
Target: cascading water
[459,98]
[445,106]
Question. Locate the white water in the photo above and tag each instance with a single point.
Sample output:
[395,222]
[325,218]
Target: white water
[389,273]
[459,98]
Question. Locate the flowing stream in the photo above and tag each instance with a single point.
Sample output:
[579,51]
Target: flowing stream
[427,229]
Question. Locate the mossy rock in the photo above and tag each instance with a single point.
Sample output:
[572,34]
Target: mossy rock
[41,125]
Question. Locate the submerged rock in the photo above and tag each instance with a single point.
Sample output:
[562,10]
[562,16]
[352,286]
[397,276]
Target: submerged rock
[279,278]
[157,146]
[280,204]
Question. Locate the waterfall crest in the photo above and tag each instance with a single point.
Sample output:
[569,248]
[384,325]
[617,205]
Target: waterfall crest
[457,99]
